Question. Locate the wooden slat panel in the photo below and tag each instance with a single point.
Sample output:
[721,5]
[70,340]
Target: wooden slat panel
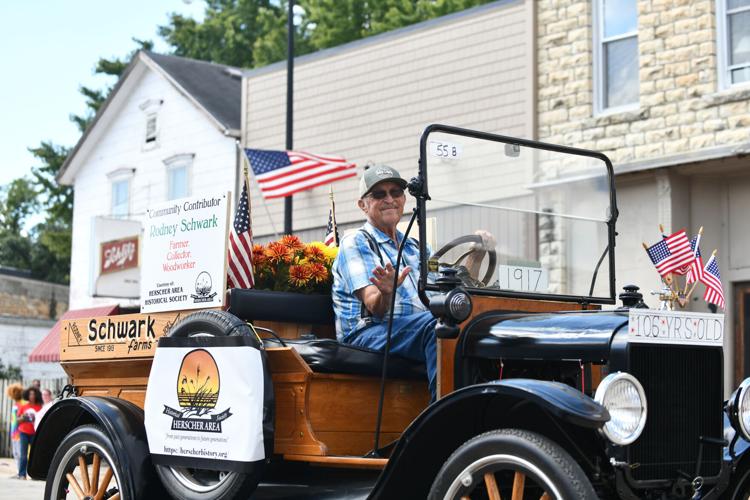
[353,443]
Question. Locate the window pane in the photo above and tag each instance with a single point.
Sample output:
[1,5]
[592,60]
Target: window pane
[621,60]
[177,183]
[733,4]
[620,16]
[739,35]
[741,75]
[120,197]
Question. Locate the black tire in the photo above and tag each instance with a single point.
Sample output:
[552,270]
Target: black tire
[739,485]
[185,483]
[500,454]
[86,441]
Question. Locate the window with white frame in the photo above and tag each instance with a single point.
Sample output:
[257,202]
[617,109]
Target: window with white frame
[151,128]
[734,41]
[120,197]
[178,175]
[616,80]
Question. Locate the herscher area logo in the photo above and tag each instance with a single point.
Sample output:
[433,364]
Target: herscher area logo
[197,393]
[203,285]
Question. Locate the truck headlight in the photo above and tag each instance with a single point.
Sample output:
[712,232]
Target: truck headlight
[739,409]
[623,396]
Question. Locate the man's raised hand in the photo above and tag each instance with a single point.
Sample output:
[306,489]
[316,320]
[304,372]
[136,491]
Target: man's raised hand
[382,278]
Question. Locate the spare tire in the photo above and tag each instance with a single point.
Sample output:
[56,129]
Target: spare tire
[203,484]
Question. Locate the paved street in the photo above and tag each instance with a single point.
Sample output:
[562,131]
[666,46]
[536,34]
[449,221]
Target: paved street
[14,489]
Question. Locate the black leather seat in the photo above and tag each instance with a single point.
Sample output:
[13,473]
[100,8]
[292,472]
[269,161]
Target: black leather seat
[331,356]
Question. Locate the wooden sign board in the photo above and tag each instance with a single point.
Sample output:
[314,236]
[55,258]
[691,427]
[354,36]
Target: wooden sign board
[115,337]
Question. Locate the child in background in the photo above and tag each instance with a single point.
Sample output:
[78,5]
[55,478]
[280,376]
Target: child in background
[15,393]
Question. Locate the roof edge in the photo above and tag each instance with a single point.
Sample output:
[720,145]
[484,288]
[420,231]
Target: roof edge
[714,153]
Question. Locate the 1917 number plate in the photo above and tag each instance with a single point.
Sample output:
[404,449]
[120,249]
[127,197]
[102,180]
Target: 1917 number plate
[525,279]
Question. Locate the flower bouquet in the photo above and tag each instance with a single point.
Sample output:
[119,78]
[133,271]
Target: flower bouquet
[289,265]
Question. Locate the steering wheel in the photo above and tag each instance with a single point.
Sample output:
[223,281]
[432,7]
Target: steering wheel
[468,239]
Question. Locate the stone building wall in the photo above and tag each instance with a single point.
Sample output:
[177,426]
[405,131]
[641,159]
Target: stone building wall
[681,107]
[27,298]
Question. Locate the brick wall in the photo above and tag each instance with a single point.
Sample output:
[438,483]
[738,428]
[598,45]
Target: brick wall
[28,298]
[681,107]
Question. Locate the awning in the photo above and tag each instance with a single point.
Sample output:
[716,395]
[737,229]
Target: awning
[48,350]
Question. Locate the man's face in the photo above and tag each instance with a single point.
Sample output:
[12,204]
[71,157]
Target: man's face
[384,204]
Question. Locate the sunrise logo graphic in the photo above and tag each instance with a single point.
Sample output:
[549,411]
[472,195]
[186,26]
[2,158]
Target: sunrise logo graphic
[198,383]
[198,386]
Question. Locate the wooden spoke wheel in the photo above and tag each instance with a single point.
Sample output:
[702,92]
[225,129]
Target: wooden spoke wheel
[84,468]
[511,464]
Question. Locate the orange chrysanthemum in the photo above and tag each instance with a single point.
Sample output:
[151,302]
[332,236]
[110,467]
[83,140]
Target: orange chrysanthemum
[300,275]
[292,242]
[259,255]
[318,272]
[278,253]
[314,254]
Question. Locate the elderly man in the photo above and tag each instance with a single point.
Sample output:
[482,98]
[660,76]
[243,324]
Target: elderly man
[364,271]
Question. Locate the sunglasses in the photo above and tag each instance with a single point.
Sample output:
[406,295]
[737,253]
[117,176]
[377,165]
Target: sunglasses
[380,194]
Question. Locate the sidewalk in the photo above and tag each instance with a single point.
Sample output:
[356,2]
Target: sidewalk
[14,489]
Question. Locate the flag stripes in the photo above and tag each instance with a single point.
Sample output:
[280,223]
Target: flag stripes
[240,272]
[283,173]
[711,278]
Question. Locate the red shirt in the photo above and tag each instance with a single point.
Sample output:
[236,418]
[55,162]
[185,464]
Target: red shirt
[26,416]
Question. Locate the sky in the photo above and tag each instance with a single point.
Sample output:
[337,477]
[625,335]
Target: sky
[48,49]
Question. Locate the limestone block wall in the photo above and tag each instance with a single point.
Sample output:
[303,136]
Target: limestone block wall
[27,298]
[681,106]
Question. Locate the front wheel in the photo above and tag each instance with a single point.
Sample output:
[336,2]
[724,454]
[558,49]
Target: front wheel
[84,467]
[511,463]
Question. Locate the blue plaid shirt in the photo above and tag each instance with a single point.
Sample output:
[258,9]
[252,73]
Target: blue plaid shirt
[352,271]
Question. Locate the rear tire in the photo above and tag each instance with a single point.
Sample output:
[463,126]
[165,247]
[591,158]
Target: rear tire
[499,461]
[185,483]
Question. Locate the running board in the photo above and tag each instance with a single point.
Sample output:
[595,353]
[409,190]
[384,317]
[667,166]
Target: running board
[346,462]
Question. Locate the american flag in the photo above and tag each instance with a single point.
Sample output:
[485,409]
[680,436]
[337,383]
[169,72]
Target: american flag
[240,273]
[283,173]
[711,278]
[671,253]
[695,271]
[332,232]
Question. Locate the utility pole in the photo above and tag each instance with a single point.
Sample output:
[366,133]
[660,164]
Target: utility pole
[289,106]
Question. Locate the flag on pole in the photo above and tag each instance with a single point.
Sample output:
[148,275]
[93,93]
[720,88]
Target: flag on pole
[671,253]
[240,271]
[695,272]
[283,173]
[711,278]
[332,232]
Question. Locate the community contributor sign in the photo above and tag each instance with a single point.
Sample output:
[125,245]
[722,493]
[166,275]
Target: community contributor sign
[184,254]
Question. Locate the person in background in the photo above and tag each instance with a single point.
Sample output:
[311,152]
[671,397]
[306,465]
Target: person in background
[15,393]
[26,414]
[36,383]
[46,396]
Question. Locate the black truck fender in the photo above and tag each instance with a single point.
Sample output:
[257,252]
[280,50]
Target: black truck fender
[516,403]
[121,420]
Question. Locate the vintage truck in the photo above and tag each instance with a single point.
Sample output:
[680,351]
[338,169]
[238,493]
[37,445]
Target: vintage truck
[546,388]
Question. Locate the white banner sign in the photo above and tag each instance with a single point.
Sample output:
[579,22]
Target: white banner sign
[206,403]
[184,254]
[675,327]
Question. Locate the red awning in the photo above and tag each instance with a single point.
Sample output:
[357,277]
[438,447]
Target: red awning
[48,350]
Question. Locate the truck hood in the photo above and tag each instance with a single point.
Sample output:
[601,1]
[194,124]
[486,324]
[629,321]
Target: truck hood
[575,335]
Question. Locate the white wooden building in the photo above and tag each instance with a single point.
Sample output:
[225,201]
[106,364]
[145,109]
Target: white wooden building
[168,130]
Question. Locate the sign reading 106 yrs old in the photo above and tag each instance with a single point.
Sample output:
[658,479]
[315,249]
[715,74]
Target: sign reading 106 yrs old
[185,254]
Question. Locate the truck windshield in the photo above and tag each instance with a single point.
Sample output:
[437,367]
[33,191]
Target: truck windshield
[543,211]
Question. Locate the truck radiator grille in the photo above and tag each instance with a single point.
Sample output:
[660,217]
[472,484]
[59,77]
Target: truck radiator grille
[684,391]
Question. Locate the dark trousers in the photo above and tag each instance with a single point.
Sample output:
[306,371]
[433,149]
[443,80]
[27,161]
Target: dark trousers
[26,440]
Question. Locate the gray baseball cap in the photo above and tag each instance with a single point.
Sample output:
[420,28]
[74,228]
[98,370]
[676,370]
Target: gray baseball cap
[375,174]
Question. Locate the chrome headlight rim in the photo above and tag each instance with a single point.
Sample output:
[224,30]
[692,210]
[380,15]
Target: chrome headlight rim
[735,415]
[599,396]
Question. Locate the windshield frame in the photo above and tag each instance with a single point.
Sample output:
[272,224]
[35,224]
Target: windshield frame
[422,214]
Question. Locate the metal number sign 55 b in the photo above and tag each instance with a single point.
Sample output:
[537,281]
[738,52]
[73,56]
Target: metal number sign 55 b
[526,279]
[445,150]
